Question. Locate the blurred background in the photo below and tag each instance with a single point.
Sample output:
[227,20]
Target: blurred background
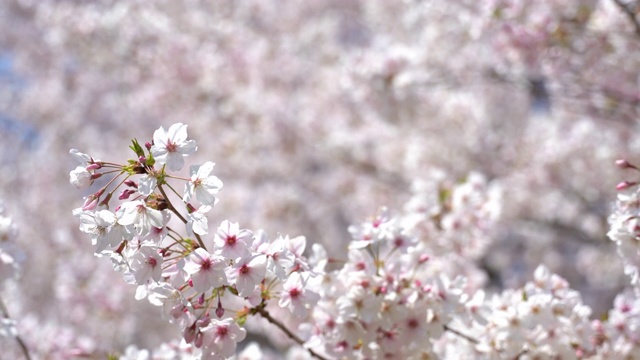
[316,113]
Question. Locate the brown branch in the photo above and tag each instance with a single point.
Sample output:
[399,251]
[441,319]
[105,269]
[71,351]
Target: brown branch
[630,14]
[464,336]
[23,346]
[173,209]
[265,314]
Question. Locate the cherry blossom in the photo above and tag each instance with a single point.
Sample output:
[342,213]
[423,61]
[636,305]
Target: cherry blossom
[222,336]
[206,270]
[198,222]
[171,146]
[296,296]
[80,177]
[146,264]
[231,241]
[202,184]
[248,273]
[142,217]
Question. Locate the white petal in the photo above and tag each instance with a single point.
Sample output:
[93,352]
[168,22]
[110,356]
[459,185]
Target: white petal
[188,147]
[147,185]
[177,133]
[205,169]
[160,138]
[155,217]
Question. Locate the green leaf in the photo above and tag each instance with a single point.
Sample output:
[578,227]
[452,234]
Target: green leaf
[150,159]
[136,148]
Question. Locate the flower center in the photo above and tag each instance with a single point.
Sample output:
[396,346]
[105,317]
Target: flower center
[294,293]
[222,331]
[206,264]
[171,147]
[244,269]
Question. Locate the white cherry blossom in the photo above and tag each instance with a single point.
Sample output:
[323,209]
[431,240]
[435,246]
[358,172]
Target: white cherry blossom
[202,184]
[171,146]
[206,270]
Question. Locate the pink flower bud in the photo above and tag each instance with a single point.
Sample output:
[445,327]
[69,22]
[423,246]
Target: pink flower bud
[625,185]
[190,208]
[177,311]
[219,311]
[95,176]
[142,159]
[624,164]
[199,340]
[148,145]
[90,203]
[190,333]
[131,183]
[124,195]
[94,166]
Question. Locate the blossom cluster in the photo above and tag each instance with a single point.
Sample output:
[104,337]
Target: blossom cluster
[398,294]
[208,286]
[385,299]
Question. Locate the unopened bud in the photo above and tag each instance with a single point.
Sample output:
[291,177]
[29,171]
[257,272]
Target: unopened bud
[190,208]
[142,159]
[148,145]
[131,183]
[624,164]
[199,340]
[94,166]
[219,309]
[201,299]
[189,333]
[177,311]
[90,203]
[124,195]
[625,185]
[204,320]
[95,176]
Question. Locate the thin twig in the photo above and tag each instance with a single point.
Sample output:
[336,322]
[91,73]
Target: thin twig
[265,314]
[464,336]
[630,14]
[173,209]
[23,346]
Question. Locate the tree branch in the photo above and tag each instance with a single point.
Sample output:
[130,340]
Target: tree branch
[630,14]
[265,314]
[464,336]
[23,346]
[175,211]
